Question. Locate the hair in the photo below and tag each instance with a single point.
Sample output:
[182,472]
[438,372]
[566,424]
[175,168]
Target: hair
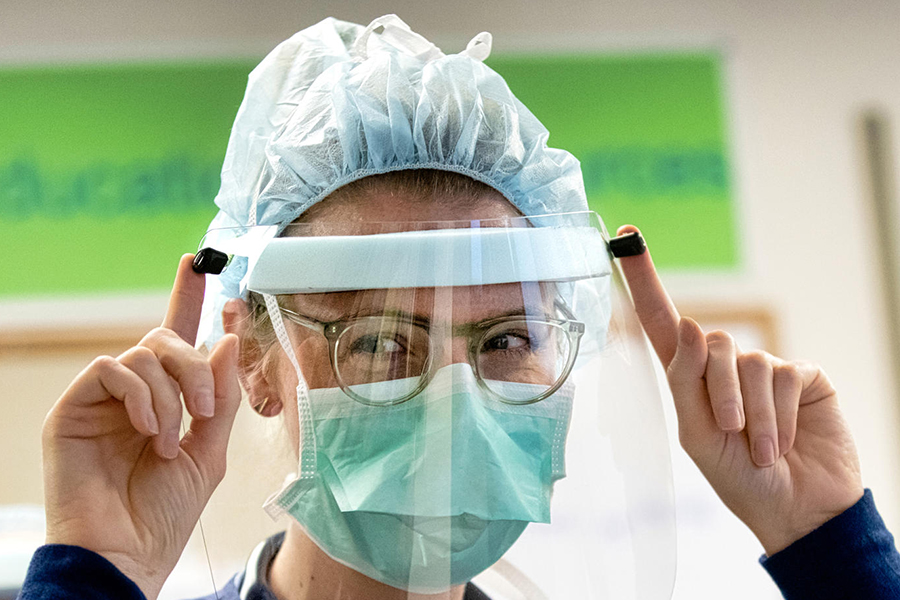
[422,186]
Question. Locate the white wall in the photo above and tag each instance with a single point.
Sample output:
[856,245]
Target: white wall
[798,73]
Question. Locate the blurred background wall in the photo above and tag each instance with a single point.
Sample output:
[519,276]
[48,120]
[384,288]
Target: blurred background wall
[797,78]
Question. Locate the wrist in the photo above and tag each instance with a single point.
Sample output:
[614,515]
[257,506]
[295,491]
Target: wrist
[148,580]
[775,536]
[81,573]
[148,575]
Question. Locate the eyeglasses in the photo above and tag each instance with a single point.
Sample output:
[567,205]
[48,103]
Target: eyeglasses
[387,359]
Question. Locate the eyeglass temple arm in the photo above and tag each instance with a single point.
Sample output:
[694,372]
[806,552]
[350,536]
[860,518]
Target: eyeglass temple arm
[301,320]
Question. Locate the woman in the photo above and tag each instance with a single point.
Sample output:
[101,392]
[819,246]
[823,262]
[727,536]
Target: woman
[451,363]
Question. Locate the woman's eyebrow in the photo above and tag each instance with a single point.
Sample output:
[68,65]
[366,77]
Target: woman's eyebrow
[337,315]
[334,314]
[339,306]
[520,311]
[418,318]
[318,313]
[513,312]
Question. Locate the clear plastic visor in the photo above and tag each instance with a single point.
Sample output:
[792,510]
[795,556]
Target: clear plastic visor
[469,402]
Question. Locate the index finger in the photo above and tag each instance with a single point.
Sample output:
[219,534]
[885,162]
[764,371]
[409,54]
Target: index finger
[186,300]
[654,308]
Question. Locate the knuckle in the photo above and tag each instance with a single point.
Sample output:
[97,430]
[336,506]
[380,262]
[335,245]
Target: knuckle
[754,361]
[813,368]
[103,364]
[719,338]
[157,335]
[180,359]
[138,357]
[787,373]
[821,382]
[153,334]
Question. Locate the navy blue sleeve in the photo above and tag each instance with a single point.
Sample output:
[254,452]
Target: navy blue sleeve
[850,556]
[63,572]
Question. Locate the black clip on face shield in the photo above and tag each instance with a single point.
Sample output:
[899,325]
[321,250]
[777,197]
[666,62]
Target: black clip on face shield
[630,244]
[211,261]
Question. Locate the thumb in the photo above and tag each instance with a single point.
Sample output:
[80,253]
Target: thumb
[686,379]
[207,440]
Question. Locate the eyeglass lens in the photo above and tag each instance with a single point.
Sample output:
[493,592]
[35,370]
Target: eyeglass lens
[520,360]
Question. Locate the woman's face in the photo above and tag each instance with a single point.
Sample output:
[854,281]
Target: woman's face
[436,306]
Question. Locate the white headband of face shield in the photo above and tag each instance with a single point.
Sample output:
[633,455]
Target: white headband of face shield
[470,256]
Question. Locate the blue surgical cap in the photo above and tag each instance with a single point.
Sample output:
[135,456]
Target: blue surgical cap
[339,101]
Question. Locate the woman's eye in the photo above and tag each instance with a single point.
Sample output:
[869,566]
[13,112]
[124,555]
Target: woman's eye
[375,344]
[506,342]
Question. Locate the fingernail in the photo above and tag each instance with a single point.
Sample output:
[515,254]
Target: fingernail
[206,403]
[764,451]
[731,418]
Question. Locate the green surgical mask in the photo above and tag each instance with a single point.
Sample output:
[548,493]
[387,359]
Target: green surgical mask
[427,494]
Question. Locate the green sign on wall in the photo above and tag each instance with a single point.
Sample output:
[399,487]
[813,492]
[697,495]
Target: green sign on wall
[107,173]
[650,133]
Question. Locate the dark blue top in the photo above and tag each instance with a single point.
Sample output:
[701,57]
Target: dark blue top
[850,557]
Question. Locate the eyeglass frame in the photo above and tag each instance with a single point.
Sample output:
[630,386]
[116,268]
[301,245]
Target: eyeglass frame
[332,331]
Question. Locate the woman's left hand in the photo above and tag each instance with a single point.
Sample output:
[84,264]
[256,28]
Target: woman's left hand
[766,433]
[119,478]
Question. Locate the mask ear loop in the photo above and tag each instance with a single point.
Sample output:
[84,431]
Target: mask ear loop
[304,409]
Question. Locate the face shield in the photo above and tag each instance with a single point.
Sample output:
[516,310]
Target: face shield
[474,401]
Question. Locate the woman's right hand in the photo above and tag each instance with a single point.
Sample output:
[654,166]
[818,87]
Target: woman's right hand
[119,479]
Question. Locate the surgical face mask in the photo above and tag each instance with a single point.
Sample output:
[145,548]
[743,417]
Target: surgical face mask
[426,494]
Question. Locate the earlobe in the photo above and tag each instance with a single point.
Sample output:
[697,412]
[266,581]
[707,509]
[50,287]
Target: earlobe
[253,370]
